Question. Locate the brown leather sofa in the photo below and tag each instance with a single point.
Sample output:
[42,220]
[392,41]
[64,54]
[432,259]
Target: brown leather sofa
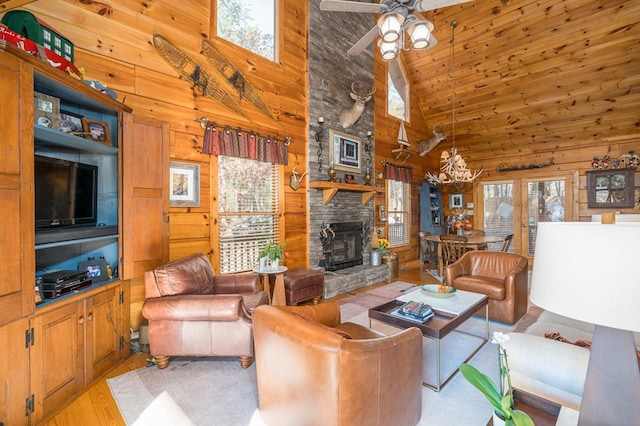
[309,373]
[192,312]
[502,277]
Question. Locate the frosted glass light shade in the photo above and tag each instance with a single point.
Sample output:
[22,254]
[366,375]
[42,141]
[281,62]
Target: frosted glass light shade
[587,271]
[388,50]
[420,33]
[390,26]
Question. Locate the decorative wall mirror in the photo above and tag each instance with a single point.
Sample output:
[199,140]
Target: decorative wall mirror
[610,188]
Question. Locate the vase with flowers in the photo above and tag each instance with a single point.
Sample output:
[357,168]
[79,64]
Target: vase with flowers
[500,399]
[460,222]
[271,255]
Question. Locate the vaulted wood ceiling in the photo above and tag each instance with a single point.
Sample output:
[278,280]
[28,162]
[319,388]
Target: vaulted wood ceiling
[532,77]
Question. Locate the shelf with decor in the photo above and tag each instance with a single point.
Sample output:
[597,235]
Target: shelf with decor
[330,189]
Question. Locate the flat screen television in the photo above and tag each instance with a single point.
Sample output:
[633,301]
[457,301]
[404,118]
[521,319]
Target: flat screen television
[66,193]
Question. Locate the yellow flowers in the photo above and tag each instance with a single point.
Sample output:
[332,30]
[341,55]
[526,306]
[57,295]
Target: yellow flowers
[383,245]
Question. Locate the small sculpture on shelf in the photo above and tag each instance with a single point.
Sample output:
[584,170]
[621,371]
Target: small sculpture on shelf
[367,177]
[331,173]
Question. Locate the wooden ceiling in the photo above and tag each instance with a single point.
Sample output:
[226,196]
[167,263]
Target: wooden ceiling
[532,77]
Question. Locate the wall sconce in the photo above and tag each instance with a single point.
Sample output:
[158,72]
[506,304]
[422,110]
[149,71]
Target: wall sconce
[318,137]
[368,147]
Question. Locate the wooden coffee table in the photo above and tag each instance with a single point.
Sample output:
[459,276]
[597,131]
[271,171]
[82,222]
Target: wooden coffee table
[449,313]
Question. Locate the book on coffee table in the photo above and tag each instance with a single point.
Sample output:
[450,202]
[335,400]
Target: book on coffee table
[414,311]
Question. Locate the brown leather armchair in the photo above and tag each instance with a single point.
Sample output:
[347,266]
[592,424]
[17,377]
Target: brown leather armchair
[310,374]
[502,277]
[192,312]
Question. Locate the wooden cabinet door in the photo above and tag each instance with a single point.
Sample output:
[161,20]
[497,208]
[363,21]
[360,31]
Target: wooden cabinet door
[14,379]
[17,267]
[145,197]
[103,330]
[57,357]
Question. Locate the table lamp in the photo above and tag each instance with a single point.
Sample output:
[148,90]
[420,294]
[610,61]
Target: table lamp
[588,271]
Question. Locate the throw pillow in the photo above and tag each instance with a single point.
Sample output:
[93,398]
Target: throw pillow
[319,324]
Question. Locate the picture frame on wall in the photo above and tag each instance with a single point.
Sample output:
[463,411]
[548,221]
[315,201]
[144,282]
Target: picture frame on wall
[610,188]
[97,131]
[456,201]
[345,151]
[184,184]
[46,110]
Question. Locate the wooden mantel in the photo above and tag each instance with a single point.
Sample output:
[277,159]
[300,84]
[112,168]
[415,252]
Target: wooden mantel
[329,189]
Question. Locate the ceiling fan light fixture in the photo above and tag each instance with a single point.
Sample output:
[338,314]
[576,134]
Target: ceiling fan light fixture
[420,33]
[390,25]
[388,50]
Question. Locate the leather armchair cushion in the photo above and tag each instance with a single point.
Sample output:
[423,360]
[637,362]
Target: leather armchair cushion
[191,275]
[492,287]
[194,308]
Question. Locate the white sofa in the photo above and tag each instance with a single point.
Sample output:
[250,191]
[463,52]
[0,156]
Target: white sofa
[549,368]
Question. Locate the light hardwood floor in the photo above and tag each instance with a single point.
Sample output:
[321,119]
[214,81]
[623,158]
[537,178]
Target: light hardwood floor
[96,406]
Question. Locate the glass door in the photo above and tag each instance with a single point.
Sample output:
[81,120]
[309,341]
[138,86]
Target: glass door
[516,206]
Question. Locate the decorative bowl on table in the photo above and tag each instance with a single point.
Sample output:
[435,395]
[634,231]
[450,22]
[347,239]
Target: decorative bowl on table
[438,290]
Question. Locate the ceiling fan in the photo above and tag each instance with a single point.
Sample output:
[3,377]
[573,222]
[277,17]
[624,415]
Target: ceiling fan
[397,19]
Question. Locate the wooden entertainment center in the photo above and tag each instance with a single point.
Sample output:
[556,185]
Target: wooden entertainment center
[50,352]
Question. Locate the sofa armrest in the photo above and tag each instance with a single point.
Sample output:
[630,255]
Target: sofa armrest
[195,308]
[236,283]
[548,368]
[325,313]
[456,269]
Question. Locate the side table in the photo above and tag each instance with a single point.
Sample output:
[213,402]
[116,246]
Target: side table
[279,298]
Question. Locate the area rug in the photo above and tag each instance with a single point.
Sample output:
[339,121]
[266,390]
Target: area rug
[217,391]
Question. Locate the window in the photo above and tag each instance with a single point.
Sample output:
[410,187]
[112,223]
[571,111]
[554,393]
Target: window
[397,91]
[398,204]
[250,24]
[249,211]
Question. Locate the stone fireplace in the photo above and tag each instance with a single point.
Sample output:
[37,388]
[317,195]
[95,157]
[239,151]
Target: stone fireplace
[342,244]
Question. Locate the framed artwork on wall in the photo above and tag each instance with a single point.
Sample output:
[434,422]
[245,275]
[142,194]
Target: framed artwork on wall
[610,188]
[184,184]
[456,201]
[345,151]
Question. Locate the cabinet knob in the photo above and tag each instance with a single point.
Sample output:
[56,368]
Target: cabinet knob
[90,316]
[81,320]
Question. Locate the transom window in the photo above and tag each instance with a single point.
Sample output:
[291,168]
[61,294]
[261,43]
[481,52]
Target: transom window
[250,24]
[398,205]
[397,91]
[249,211]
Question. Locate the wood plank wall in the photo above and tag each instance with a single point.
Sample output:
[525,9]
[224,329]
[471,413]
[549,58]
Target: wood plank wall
[113,43]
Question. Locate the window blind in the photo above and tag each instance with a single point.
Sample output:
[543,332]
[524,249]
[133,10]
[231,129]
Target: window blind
[248,210]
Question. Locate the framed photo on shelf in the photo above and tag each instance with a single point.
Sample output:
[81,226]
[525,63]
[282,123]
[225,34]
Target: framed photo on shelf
[47,110]
[71,123]
[97,131]
[184,184]
[610,188]
[345,151]
[456,201]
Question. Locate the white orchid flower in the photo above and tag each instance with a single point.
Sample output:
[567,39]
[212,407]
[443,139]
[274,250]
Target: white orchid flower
[499,338]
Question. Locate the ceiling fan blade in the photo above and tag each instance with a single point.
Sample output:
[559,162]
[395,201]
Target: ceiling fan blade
[365,41]
[351,6]
[425,5]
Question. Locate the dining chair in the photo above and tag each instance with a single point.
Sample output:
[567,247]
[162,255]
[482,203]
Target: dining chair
[507,243]
[428,250]
[453,247]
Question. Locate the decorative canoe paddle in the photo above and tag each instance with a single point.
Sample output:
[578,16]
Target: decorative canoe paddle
[233,75]
[194,73]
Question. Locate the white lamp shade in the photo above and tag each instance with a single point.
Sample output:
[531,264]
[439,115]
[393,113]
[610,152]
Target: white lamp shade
[388,50]
[390,26]
[420,33]
[588,271]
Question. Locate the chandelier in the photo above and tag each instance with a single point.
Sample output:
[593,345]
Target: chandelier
[454,168]
[392,27]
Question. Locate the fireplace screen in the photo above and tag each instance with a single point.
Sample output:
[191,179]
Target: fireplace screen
[342,245]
